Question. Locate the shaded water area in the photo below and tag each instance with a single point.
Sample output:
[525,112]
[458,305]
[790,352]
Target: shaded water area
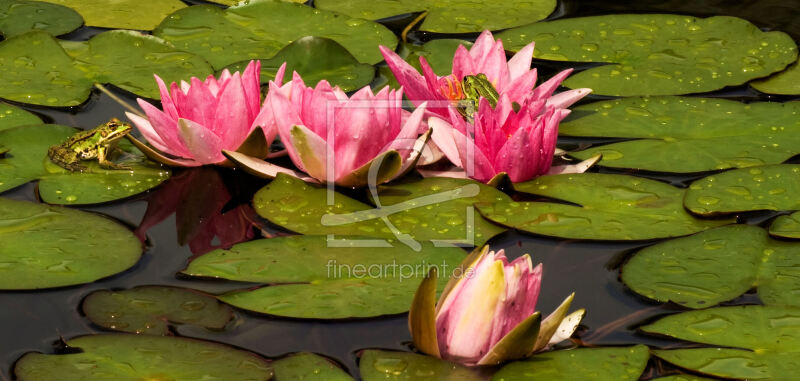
[36,320]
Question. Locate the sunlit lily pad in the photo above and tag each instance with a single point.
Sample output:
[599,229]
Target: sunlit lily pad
[11,116]
[123,14]
[786,82]
[610,207]
[321,278]
[771,187]
[126,357]
[308,367]
[716,266]
[151,309]
[44,246]
[436,209]
[787,226]
[706,134]
[261,28]
[52,76]
[448,16]
[658,54]
[583,364]
[27,161]
[339,67]
[768,338]
[20,16]
[387,365]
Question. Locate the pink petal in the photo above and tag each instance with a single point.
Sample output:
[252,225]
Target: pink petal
[546,89]
[405,140]
[518,158]
[285,117]
[204,145]
[312,151]
[482,46]
[521,294]
[522,87]
[444,136]
[166,128]
[520,63]
[148,132]
[199,104]
[280,74]
[463,63]
[251,83]
[166,101]
[495,66]
[568,98]
[231,122]
[357,139]
[416,88]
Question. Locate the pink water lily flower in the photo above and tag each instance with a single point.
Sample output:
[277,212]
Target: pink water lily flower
[201,118]
[488,315]
[336,139]
[513,78]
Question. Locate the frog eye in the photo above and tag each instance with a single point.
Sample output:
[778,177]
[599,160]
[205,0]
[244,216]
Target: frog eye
[103,133]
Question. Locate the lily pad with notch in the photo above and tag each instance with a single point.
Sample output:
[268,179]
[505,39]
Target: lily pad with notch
[389,365]
[448,16]
[584,364]
[321,278]
[771,187]
[21,16]
[786,226]
[122,14]
[716,266]
[27,160]
[786,82]
[339,67]
[143,357]
[657,54]
[707,134]
[433,209]
[594,206]
[151,309]
[257,29]
[308,367]
[758,342]
[47,246]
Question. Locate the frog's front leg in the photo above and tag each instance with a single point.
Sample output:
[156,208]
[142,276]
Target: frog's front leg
[102,159]
[65,158]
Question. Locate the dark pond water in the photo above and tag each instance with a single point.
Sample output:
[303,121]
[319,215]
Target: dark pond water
[35,321]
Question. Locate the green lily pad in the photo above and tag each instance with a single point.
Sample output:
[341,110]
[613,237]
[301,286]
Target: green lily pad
[658,54]
[682,377]
[707,134]
[45,246]
[308,367]
[27,161]
[766,336]
[150,309]
[582,364]
[123,14]
[21,16]
[787,226]
[771,187]
[448,16]
[126,357]
[52,76]
[258,29]
[339,67]
[716,266]
[321,278]
[786,82]
[610,207]
[387,365]
[435,209]
[11,116]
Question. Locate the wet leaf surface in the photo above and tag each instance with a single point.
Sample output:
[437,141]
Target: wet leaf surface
[786,82]
[610,207]
[258,30]
[151,309]
[339,67]
[45,246]
[62,73]
[771,187]
[433,209]
[20,16]
[583,364]
[307,367]
[657,54]
[11,116]
[706,134]
[716,266]
[123,14]
[27,161]
[126,357]
[787,226]
[318,278]
[765,335]
[448,16]
[387,365]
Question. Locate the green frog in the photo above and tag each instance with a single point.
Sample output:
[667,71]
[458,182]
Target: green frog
[476,87]
[96,143]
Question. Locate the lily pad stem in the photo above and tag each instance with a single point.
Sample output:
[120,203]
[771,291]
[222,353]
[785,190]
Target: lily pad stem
[119,100]
[411,25]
